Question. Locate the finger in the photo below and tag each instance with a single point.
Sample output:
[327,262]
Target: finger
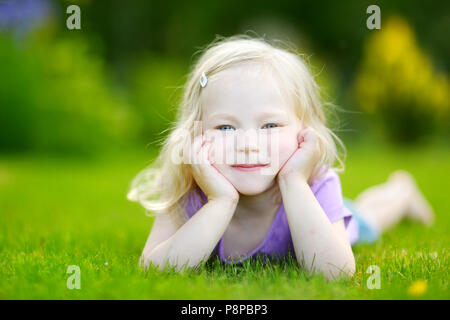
[204,153]
[310,133]
[308,136]
[311,141]
[204,140]
[196,147]
[300,137]
[193,151]
[211,153]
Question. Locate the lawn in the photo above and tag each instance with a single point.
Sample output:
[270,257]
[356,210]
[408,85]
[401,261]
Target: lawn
[56,212]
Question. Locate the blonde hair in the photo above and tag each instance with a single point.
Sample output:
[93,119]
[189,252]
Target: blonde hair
[164,185]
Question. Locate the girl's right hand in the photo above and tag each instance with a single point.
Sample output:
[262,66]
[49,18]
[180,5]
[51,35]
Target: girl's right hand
[208,178]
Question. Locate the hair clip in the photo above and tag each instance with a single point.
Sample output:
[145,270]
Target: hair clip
[203,80]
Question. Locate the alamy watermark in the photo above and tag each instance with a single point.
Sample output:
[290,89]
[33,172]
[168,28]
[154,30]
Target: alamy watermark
[374,281]
[74,280]
[231,147]
[374,20]
[74,20]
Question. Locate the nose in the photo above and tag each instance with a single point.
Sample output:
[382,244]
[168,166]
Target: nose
[247,143]
[248,148]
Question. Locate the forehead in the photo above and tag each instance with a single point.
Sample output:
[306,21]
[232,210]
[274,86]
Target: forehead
[244,88]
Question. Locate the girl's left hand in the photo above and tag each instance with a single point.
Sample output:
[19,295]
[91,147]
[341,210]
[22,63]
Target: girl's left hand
[304,159]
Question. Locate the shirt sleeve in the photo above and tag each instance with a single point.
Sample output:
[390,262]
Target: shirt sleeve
[328,192]
[194,202]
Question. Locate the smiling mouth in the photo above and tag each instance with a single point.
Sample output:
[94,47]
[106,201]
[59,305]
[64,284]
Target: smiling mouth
[249,167]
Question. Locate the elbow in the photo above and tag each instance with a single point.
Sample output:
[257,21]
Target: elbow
[345,272]
[153,257]
[159,261]
[342,270]
[151,260]
[350,265]
[145,261]
[148,262]
[349,269]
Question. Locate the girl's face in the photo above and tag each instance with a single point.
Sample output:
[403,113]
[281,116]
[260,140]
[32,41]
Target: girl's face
[251,124]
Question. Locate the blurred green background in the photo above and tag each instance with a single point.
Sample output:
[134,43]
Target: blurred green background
[82,111]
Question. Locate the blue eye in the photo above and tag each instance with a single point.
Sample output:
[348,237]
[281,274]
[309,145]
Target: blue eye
[270,125]
[226,126]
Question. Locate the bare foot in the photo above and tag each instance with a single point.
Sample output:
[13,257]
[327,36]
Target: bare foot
[418,207]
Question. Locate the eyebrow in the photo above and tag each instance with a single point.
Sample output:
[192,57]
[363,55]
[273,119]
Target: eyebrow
[262,115]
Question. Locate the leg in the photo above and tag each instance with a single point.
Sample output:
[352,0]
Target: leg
[386,204]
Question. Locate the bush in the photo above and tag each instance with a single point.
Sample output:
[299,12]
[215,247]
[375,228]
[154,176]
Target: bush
[397,84]
[54,97]
[156,88]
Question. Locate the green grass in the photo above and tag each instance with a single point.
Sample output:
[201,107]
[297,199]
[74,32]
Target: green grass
[56,212]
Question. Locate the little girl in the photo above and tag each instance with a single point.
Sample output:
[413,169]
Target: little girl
[238,208]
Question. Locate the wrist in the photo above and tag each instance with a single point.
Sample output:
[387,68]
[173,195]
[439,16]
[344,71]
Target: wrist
[293,180]
[224,201]
[292,177]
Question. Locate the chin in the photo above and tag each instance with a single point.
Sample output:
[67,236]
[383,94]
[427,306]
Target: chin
[247,183]
[252,188]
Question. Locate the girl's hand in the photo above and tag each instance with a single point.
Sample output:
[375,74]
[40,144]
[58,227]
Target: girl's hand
[208,178]
[304,159]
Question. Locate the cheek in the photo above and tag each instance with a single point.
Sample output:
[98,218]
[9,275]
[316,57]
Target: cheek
[287,145]
[222,148]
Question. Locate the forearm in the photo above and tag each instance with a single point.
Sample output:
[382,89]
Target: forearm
[316,243]
[197,238]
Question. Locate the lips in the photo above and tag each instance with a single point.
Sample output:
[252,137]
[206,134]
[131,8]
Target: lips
[249,167]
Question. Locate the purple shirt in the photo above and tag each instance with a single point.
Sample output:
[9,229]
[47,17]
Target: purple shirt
[278,241]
